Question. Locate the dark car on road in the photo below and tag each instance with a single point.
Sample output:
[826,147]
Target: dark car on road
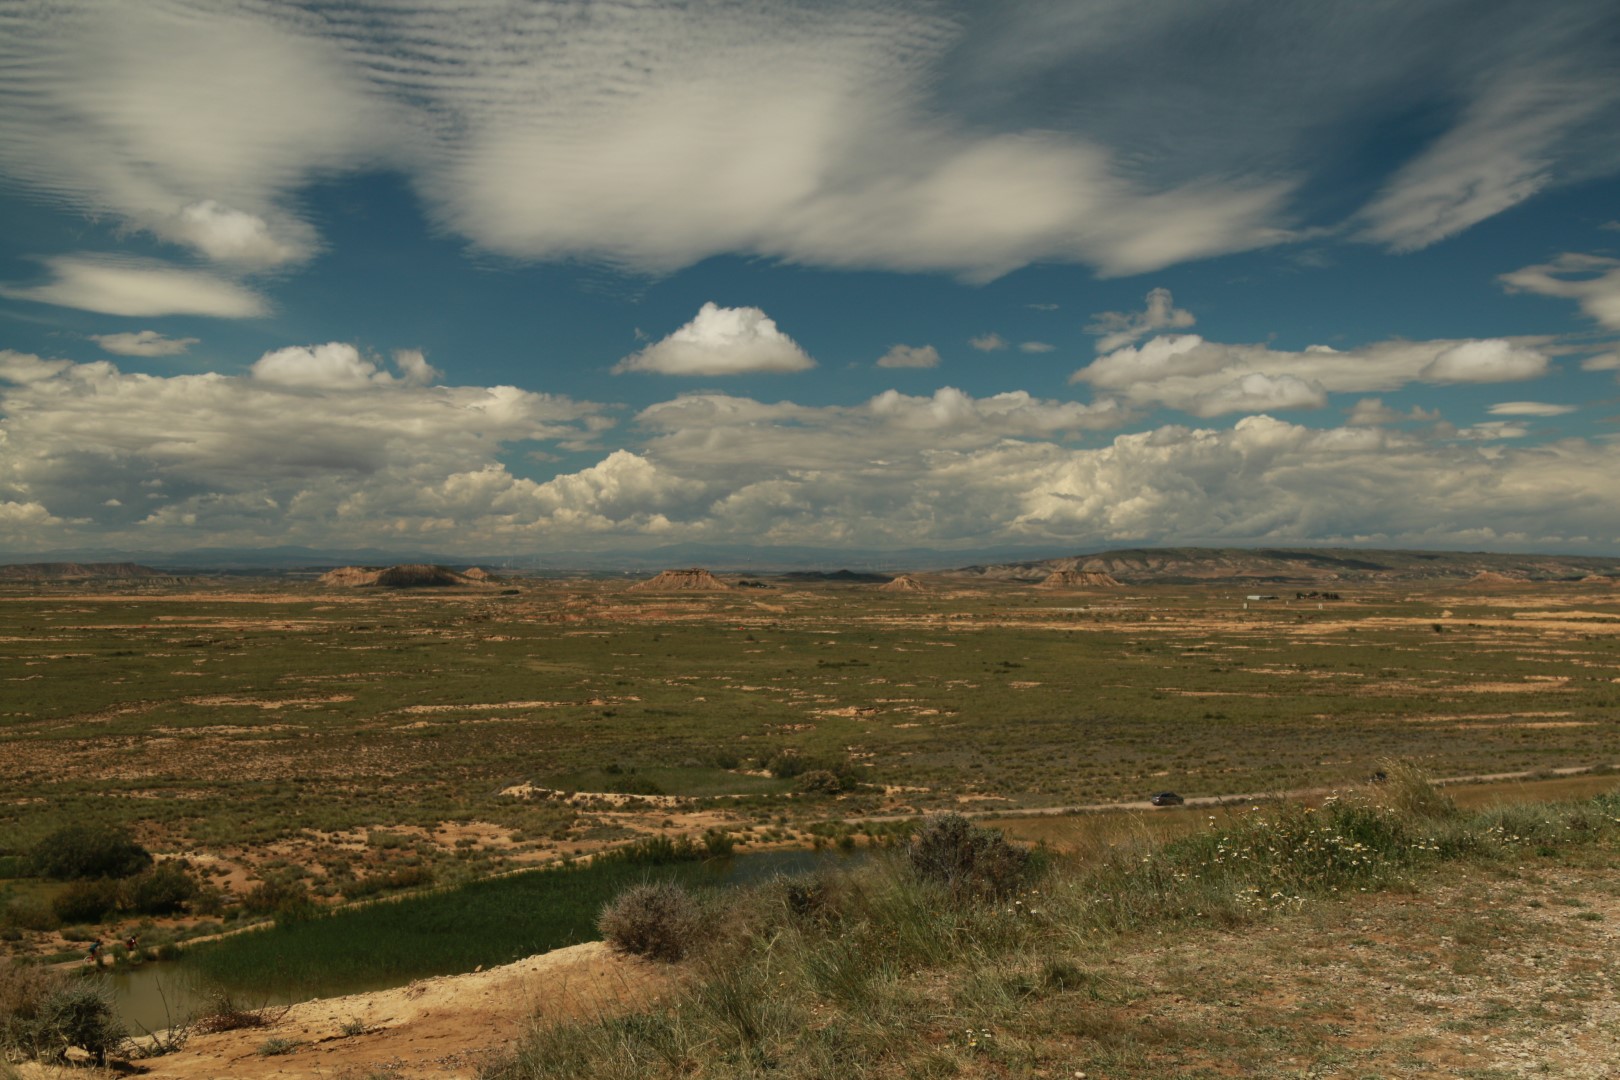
[1167,798]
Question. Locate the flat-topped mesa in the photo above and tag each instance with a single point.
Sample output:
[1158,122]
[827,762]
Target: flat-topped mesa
[903,583]
[1079,579]
[670,580]
[403,576]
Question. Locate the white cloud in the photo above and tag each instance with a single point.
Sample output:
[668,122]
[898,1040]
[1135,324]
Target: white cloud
[1501,152]
[1488,361]
[1372,412]
[328,451]
[1530,408]
[1205,378]
[1036,347]
[910,356]
[1603,362]
[198,123]
[1491,430]
[138,287]
[1259,392]
[991,342]
[414,368]
[22,368]
[902,136]
[235,236]
[1593,281]
[1119,328]
[143,343]
[721,341]
[146,461]
[337,365]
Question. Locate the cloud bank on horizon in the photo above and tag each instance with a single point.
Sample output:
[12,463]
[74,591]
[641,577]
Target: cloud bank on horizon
[863,273]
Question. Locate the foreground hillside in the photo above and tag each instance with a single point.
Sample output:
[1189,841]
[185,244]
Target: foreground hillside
[1189,565]
[1383,932]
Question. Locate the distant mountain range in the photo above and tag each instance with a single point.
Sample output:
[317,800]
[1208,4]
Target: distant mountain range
[1169,565]
[1302,566]
[72,571]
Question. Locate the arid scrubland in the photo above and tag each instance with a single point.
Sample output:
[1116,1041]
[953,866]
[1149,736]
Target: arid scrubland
[283,750]
[351,742]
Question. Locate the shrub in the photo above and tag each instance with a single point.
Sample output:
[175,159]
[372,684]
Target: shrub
[162,890]
[973,863]
[659,920]
[286,900]
[78,852]
[66,1015]
[24,990]
[86,901]
[28,913]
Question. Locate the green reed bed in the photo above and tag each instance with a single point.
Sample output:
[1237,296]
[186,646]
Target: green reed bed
[440,932]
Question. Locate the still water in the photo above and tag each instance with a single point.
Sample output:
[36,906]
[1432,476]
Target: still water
[153,995]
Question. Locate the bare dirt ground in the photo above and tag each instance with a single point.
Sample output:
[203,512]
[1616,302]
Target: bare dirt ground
[441,1027]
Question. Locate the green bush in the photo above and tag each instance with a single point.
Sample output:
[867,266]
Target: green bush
[162,890]
[659,920]
[973,863]
[43,1014]
[86,901]
[81,852]
[283,899]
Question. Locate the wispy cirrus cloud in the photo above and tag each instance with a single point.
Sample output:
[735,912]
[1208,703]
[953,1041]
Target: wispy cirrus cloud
[138,287]
[142,343]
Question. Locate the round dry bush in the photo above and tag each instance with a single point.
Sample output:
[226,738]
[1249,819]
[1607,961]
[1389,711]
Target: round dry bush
[656,919]
[973,863]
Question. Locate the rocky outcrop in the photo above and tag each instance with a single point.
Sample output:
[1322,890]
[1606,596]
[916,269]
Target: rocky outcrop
[903,583]
[683,580]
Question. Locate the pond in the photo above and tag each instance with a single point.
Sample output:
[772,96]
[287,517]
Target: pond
[391,942]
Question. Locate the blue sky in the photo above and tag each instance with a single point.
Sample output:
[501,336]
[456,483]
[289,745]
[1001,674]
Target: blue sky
[544,276]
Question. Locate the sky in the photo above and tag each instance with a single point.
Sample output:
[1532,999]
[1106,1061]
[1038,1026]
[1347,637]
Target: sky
[514,277]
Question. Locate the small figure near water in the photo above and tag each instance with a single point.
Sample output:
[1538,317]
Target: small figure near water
[93,954]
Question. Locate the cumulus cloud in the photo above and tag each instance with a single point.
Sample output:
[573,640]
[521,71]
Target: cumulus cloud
[316,442]
[721,341]
[200,459]
[1120,328]
[1036,347]
[337,365]
[1484,362]
[1530,408]
[991,342]
[1372,412]
[1259,392]
[236,236]
[910,356]
[143,343]
[138,287]
[1592,281]
[1206,378]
